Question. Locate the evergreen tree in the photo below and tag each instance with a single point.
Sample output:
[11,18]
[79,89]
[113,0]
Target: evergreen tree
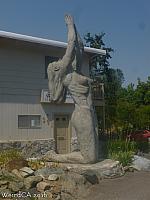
[101,72]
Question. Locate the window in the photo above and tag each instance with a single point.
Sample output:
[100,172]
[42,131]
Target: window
[29,121]
[49,59]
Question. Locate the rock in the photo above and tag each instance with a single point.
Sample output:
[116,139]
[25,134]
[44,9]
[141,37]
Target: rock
[16,173]
[56,187]
[91,177]
[32,181]
[7,176]
[74,184]
[46,171]
[53,177]
[126,168]
[26,171]
[3,182]
[58,197]
[15,186]
[104,169]
[42,176]
[42,186]
[3,185]
[141,163]
[109,173]
[131,168]
[24,174]
[66,196]
[48,195]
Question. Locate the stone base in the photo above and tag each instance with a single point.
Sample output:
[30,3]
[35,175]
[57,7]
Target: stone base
[76,179]
[59,181]
[104,169]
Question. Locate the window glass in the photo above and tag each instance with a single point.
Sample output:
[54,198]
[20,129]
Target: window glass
[29,121]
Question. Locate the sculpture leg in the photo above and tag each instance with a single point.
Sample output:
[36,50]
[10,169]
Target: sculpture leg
[82,121]
[74,157]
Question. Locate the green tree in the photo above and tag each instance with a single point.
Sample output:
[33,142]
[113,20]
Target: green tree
[99,64]
[127,108]
[142,92]
[101,72]
[133,106]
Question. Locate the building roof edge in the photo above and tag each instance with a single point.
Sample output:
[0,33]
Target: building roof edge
[38,40]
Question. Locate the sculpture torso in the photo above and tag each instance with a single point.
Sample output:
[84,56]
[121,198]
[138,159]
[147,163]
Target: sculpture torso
[78,87]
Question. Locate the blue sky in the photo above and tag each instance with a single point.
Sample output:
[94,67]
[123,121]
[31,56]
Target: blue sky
[125,22]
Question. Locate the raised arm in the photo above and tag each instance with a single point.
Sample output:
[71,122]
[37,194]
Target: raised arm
[70,52]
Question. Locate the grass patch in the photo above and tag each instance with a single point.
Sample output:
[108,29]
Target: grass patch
[121,150]
[8,155]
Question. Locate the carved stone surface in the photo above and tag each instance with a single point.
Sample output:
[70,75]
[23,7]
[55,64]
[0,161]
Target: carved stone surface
[65,75]
[105,169]
[74,144]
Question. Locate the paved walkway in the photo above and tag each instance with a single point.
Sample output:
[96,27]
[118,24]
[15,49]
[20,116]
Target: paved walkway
[132,186]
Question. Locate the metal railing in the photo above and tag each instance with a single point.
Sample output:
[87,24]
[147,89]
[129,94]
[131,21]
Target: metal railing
[45,97]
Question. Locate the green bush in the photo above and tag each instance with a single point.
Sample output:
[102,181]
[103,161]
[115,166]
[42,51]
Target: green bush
[8,155]
[121,150]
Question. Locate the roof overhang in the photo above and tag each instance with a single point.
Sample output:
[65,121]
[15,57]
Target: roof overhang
[37,40]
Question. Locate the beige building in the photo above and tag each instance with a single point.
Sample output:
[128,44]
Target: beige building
[25,111]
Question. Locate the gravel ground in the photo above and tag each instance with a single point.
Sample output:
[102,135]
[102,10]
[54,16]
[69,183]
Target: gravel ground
[132,186]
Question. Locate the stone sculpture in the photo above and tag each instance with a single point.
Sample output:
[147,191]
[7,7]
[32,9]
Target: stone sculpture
[65,75]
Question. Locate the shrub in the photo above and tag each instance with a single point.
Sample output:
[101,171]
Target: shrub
[121,150]
[8,155]
[36,164]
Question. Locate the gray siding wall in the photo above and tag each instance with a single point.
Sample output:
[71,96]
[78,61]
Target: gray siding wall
[22,73]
